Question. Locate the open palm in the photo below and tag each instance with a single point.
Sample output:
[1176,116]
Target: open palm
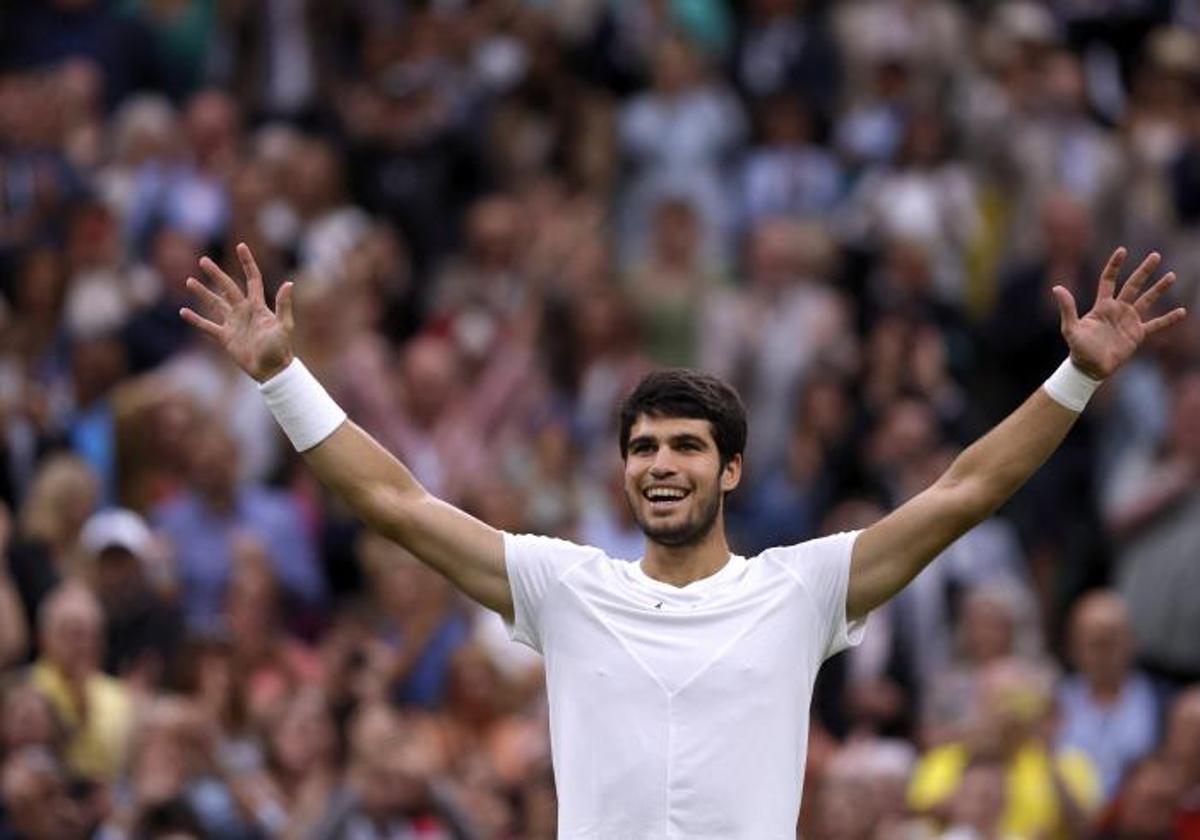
[1104,339]
[259,340]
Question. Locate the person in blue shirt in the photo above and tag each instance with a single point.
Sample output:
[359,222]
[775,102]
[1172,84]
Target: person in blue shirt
[206,522]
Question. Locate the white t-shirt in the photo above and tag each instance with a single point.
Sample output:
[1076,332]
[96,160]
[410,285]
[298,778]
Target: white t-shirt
[680,712]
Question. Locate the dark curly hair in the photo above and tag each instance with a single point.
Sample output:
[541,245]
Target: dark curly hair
[692,394]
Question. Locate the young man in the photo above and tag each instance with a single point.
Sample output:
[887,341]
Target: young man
[679,686]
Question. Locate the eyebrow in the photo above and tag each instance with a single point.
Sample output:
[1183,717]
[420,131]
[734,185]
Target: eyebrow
[674,440]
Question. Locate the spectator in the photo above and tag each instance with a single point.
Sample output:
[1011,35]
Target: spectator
[995,623]
[125,567]
[1047,791]
[204,522]
[788,173]
[171,763]
[269,660]
[680,137]
[29,719]
[95,708]
[1148,804]
[418,624]
[63,495]
[37,802]
[390,786]
[1154,513]
[1106,709]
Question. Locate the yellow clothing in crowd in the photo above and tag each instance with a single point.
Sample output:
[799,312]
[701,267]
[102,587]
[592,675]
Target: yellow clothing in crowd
[1031,808]
[97,741]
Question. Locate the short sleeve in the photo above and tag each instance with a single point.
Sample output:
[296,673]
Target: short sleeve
[535,565]
[822,567]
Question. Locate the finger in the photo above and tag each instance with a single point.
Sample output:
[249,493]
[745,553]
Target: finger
[1145,304]
[228,288]
[211,300]
[1163,321]
[283,305]
[1066,307]
[1143,272]
[1112,270]
[201,323]
[254,282]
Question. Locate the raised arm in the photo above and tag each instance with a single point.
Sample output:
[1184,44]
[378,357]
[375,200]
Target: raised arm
[891,552]
[376,486]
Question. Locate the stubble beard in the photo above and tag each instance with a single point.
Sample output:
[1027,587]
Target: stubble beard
[691,531]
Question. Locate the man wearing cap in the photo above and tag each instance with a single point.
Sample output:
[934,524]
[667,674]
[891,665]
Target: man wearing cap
[144,628]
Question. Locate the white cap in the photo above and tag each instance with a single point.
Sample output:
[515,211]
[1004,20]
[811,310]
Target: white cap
[117,528]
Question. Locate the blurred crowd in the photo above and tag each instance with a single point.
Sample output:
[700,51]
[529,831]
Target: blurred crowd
[499,215]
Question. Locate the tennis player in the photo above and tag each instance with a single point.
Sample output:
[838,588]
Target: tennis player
[679,685]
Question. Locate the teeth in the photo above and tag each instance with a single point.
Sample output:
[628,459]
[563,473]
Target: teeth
[659,494]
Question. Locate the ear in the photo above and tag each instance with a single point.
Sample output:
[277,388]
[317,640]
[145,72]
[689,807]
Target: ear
[731,475]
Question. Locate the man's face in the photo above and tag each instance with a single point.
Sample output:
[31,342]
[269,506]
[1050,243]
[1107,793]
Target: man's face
[674,481]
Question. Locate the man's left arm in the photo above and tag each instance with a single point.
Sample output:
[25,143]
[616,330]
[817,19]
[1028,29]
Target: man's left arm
[894,550]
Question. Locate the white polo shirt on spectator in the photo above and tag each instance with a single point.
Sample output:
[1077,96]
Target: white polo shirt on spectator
[680,712]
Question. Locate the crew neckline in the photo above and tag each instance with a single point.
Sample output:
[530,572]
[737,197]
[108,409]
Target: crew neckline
[732,568]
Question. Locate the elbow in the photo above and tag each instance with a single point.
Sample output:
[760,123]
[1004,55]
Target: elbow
[386,509]
[973,499]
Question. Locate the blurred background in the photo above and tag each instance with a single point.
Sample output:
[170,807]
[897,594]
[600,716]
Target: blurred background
[498,215]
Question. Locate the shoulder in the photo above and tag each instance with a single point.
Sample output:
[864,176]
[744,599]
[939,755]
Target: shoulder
[562,554]
[810,555]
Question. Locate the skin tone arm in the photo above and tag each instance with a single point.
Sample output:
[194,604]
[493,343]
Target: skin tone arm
[893,551]
[376,486]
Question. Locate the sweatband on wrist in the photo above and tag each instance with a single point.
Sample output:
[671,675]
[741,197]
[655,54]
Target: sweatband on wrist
[1071,387]
[302,407]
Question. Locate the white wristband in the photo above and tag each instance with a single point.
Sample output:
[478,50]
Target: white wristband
[1071,387]
[302,407]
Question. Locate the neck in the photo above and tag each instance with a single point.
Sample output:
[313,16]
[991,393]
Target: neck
[684,564]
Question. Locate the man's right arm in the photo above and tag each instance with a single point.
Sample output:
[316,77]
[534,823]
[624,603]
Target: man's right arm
[376,486]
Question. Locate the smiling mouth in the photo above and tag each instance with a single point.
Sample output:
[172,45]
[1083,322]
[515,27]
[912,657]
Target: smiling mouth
[664,498]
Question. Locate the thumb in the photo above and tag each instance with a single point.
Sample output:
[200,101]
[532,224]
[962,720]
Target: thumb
[1066,307]
[283,305]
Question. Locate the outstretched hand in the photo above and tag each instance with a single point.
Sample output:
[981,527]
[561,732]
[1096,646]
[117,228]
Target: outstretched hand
[1104,339]
[259,340]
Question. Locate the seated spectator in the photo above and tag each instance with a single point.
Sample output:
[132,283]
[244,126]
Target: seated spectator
[203,521]
[1049,792]
[95,708]
[1106,709]
[145,629]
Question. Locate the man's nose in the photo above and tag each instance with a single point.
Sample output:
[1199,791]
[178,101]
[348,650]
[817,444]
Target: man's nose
[662,465]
